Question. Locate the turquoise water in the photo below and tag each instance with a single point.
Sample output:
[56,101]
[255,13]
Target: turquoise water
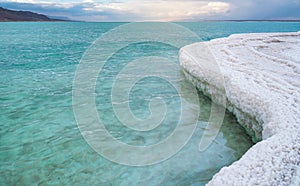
[40,143]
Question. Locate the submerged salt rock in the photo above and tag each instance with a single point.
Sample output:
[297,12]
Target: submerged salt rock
[262,83]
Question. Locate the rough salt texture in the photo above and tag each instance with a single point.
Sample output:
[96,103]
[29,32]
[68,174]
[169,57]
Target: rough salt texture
[262,82]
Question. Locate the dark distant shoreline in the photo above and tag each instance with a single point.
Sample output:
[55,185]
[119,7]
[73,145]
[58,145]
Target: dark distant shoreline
[7,15]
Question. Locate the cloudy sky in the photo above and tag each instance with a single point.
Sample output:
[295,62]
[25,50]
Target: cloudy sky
[160,10]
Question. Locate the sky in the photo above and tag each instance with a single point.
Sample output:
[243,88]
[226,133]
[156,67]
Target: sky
[161,10]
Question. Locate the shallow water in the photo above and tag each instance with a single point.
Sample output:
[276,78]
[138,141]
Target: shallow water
[39,139]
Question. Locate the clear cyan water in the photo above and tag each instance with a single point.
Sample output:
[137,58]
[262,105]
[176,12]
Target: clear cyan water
[40,143]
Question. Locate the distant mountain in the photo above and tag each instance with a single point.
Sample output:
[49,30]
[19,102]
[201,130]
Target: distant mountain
[59,18]
[11,15]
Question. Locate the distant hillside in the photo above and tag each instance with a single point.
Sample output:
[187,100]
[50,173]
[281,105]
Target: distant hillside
[11,15]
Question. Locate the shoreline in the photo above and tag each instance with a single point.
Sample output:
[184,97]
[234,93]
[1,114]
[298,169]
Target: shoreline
[261,74]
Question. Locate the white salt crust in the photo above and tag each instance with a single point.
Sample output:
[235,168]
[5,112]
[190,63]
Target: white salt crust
[262,82]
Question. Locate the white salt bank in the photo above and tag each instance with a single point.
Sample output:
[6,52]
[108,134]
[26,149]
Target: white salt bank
[261,77]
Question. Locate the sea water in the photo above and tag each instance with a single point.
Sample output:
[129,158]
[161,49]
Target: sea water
[40,143]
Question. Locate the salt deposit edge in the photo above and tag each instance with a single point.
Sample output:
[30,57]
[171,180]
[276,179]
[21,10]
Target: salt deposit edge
[262,82]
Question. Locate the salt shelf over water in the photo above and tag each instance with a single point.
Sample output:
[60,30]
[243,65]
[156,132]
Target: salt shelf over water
[261,74]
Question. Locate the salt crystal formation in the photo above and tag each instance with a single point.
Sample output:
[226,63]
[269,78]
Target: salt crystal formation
[261,74]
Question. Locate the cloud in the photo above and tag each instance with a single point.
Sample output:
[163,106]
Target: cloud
[163,10]
[160,10]
[267,9]
[130,10]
